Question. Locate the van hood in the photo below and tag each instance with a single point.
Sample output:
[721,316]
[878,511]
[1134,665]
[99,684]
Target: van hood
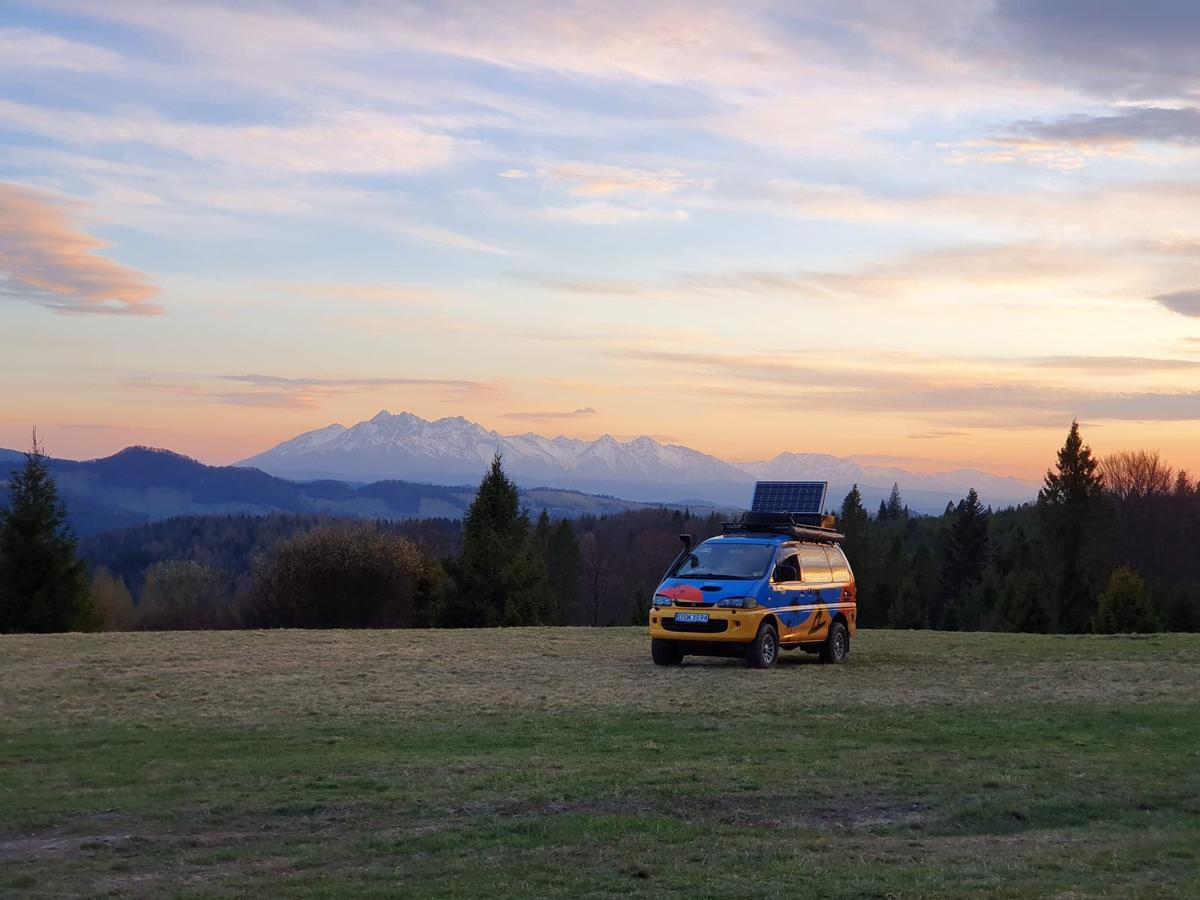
[702,590]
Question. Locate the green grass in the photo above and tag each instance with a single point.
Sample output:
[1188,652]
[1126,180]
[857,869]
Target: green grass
[559,762]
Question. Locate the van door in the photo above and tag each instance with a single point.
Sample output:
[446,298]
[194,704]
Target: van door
[843,580]
[785,591]
[816,579]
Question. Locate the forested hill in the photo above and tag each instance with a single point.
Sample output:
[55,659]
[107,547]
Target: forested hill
[140,484]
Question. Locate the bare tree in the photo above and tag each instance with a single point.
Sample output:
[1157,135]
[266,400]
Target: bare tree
[1136,474]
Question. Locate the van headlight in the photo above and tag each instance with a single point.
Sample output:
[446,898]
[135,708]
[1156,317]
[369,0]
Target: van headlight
[738,603]
[662,600]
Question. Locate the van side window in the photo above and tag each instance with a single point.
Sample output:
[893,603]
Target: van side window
[814,565]
[791,559]
[838,564]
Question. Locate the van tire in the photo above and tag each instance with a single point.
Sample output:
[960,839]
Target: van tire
[665,653]
[837,644]
[763,651]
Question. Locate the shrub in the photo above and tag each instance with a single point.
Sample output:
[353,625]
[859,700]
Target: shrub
[180,595]
[1125,607]
[112,602]
[351,576]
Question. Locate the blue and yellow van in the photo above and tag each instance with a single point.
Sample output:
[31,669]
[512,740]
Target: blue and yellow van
[771,581]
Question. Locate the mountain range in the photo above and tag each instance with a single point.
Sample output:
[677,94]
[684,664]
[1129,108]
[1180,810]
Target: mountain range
[453,450]
[140,484]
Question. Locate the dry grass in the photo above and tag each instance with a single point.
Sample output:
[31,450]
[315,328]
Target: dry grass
[560,762]
[258,676]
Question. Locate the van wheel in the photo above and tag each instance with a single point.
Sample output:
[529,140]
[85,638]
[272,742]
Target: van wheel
[837,644]
[763,651]
[665,653]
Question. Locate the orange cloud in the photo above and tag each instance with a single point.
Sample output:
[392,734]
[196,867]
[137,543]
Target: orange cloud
[45,260]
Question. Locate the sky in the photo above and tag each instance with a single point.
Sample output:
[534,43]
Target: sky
[925,234]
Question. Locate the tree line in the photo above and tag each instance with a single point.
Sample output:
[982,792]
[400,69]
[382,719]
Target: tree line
[1109,546]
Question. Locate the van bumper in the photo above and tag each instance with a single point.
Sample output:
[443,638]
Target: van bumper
[724,626]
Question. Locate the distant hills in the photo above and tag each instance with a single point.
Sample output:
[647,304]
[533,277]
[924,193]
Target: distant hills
[403,466]
[451,450]
[140,484]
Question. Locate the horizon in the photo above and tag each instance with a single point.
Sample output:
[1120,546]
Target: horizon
[896,236]
[621,439]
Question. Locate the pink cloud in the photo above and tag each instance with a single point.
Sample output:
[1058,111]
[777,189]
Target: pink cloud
[46,260]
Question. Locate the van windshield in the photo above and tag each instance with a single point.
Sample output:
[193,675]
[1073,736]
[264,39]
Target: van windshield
[746,562]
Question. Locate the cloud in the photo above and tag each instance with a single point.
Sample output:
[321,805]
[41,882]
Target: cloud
[1186,303]
[991,270]
[1130,364]
[445,237]
[513,174]
[282,392]
[348,141]
[582,413]
[22,49]
[458,387]
[1070,142]
[983,397]
[936,435]
[45,260]
[593,180]
[1132,50]
[598,212]
[1126,127]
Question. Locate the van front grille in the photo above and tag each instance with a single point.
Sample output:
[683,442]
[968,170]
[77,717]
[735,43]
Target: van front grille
[715,626]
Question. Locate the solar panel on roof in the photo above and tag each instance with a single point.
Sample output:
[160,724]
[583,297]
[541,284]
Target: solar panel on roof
[800,497]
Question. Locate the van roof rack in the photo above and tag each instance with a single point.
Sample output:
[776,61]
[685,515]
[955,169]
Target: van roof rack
[801,526]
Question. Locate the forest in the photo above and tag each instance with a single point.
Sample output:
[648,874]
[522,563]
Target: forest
[1110,545]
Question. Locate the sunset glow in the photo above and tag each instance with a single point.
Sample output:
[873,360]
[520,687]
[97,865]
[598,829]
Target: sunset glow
[872,230]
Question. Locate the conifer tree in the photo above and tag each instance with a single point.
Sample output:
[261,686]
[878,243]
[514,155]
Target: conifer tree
[966,550]
[896,509]
[43,587]
[853,518]
[1075,519]
[501,580]
[1125,607]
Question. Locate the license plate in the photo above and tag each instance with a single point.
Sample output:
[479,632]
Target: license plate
[697,618]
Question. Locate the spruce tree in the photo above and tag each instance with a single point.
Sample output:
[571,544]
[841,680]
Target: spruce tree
[966,552]
[501,580]
[1075,519]
[853,518]
[43,587]
[896,509]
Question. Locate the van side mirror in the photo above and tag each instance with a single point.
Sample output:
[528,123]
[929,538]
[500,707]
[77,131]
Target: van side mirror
[785,572]
[686,539]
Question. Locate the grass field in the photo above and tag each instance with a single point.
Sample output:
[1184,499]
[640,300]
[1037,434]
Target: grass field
[559,762]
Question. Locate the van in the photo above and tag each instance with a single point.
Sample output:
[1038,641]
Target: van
[773,581]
